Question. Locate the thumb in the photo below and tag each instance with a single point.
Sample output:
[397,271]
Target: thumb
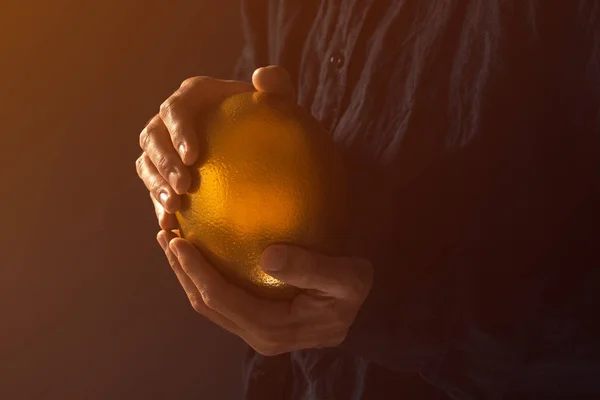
[336,277]
[273,79]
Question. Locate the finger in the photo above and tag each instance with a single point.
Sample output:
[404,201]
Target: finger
[179,112]
[156,185]
[273,79]
[163,238]
[156,143]
[166,221]
[195,298]
[248,312]
[341,278]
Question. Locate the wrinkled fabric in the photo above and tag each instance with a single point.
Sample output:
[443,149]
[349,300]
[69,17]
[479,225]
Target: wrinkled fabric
[471,133]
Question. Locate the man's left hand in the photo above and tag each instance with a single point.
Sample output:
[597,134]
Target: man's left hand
[333,290]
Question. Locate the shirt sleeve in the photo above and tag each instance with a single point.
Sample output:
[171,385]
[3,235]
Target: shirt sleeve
[507,303]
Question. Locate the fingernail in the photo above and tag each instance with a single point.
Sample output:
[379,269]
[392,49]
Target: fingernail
[173,178]
[163,242]
[164,197]
[274,259]
[182,150]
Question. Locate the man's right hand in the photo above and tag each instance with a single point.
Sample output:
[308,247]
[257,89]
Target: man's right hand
[171,143]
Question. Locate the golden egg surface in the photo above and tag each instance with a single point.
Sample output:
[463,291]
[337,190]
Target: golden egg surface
[268,173]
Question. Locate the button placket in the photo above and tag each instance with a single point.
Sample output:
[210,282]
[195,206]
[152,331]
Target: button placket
[341,49]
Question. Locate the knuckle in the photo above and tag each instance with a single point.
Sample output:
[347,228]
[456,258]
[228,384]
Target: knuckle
[215,295]
[210,300]
[169,106]
[149,131]
[164,162]
[194,81]
[196,302]
[139,165]
[154,183]
[145,137]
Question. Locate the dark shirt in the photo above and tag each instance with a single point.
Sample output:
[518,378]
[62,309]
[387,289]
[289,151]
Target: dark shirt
[471,132]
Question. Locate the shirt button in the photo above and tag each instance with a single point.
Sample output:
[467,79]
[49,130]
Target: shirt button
[336,60]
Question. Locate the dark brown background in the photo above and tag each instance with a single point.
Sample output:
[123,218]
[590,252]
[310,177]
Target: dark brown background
[89,308]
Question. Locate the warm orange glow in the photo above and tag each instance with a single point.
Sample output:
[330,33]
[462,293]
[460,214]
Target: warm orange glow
[267,178]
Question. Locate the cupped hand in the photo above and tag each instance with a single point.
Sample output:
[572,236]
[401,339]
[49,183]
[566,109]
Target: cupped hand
[171,143]
[333,290]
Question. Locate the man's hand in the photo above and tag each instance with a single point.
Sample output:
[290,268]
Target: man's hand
[333,288]
[171,143]
[320,316]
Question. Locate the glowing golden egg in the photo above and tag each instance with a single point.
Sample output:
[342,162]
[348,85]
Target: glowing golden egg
[268,173]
